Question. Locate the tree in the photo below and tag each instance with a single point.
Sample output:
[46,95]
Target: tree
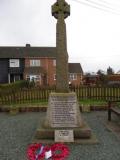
[110,71]
[103,79]
[99,72]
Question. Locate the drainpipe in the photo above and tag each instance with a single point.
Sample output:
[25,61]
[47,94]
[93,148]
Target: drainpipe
[14,78]
[9,78]
[47,70]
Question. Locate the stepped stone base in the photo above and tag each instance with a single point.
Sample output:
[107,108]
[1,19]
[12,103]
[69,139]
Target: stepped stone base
[44,133]
[82,135]
[63,114]
[89,141]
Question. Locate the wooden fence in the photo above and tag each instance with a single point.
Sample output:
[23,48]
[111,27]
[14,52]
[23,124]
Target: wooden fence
[37,94]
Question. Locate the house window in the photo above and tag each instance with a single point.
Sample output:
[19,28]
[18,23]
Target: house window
[34,63]
[80,77]
[54,77]
[73,76]
[54,62]
[35,78]
[28,77]
[14,63]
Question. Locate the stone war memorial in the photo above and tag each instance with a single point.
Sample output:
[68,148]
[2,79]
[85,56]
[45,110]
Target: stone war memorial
[63,121]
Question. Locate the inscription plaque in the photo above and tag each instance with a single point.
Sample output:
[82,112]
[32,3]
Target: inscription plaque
[63,111]
[64,136]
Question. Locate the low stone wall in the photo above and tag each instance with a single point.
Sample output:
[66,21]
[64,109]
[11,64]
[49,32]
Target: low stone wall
[24,109]
[98,108]
[88,108]
[44,108]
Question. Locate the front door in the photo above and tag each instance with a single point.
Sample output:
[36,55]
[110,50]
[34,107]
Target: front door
[14,78]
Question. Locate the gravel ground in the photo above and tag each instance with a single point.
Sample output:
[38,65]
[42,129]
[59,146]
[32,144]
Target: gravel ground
[16,133]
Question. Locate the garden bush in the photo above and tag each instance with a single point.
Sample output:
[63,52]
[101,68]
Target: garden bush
[13,87]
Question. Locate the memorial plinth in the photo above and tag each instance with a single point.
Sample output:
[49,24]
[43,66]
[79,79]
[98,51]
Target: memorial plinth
[63,114]
[63,111]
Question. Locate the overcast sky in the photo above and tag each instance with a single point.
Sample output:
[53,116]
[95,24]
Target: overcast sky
[93,29]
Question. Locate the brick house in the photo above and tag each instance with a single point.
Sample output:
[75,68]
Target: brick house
[33,63]
[114,79]
[75,74]
[90,80]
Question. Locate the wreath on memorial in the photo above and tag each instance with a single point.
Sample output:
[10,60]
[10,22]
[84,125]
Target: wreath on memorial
[59,151]
[37,151]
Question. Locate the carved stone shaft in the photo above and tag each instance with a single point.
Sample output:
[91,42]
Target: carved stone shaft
[62,57]
[60,10]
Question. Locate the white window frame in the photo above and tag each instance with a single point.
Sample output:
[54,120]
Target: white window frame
[72,76]
[14,63]
[28,77]
[37,78]
[35,63]
[54,62]
[54,77]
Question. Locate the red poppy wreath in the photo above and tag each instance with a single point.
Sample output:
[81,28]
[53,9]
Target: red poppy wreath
[37,151]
